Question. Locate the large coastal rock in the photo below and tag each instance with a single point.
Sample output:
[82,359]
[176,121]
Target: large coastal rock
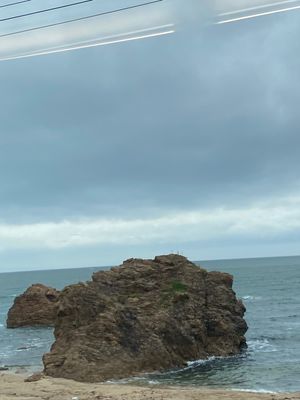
[37,306]
[144,316]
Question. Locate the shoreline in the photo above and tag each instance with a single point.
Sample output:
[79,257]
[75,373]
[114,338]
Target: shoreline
[13,386]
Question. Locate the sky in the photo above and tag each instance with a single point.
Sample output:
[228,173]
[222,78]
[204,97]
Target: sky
[182,143]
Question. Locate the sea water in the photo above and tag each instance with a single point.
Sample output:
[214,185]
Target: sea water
[269,288]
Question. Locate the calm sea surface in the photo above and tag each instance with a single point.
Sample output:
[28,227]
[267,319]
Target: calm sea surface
[269,288]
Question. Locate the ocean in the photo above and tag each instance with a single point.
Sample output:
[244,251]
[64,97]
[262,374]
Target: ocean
[269,288]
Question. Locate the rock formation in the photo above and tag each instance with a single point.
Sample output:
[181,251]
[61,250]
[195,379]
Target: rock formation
[37,306]
[144,316]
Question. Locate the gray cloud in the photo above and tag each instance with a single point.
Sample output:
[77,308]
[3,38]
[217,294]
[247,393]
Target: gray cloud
[78,123]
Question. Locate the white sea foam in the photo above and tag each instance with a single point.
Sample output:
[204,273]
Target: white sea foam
[199,362]
[192,364]
[254,391]
[153,382]
[125,381]
[147,378]
[251,298]
[261,345]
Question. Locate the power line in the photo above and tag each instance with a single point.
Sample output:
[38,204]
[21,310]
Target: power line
[108,40]
[14,3]
[45,10]
[82,18]
[255,8]
[261,14]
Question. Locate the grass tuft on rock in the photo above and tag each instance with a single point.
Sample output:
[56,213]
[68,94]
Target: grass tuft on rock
[178,287]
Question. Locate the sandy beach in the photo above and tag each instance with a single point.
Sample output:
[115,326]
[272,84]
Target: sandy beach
[12,386]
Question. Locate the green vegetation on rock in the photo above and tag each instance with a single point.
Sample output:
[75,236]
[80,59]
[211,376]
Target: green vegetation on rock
[178,287]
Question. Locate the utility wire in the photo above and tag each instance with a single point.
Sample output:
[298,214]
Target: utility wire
[14,4]
[45,10]
[77,46]
[261,14]
[82,18]
[255,8]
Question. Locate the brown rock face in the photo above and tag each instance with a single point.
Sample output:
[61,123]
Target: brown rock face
[144,316]
[37,306]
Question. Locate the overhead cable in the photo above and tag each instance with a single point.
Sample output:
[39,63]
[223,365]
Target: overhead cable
[108,40]
[261,14]
[82,18]
[14,3]
[45,10]
[255,8]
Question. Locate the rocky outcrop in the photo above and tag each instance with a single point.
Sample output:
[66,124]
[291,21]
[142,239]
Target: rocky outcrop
[37,306]
[144,316]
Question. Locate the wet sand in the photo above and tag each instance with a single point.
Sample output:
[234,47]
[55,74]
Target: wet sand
[12,386]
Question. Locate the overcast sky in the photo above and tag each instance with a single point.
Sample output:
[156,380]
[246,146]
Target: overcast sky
[186,143]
